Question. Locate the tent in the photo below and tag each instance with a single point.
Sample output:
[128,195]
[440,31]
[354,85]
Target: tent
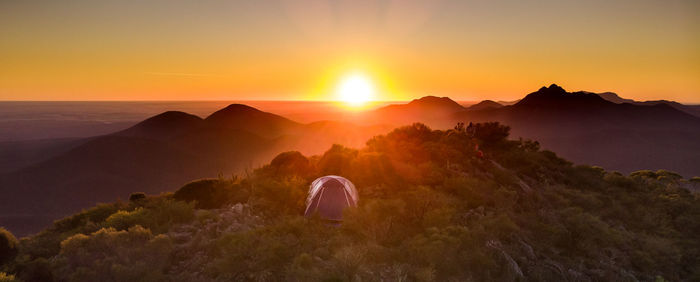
[329,195]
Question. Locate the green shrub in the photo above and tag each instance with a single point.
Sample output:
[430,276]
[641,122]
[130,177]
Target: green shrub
[290,163]
[211,193]
[491,133]
[39,269]
[280,196]
[111,255]
[122,220]
[78,221]
[337,160]
[137,196]
[8,246]
[4,277]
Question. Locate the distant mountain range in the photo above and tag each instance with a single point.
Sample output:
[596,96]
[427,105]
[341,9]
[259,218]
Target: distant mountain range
[159,154]
[586,128]
[54,178]
[691,109]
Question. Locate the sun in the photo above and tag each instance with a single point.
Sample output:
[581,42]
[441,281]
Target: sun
[355,89]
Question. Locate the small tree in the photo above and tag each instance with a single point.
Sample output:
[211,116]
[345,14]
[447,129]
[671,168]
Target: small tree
[8,246]
[291,163]
[491,133]
[137,196]
[211,193]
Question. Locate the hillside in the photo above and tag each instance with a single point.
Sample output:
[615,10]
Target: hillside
[152,156]
[484,105]
[429,210]
[429,109]
[588,129]
[690,109]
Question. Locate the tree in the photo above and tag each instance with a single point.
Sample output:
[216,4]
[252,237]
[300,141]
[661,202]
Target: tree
[290,163]
[491,133]
[8,246]
[137,196]
[210,193]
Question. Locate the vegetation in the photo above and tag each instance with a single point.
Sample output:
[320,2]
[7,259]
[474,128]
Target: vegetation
[430,209]
[8,246]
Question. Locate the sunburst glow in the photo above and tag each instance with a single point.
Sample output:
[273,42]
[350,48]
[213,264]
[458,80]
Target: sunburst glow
[355,89]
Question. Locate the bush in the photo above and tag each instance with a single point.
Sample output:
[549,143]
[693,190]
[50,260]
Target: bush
[137,196]
[4,277]
[290,163]
[8,246]
[35,270]
[280,196]
[159,217]
[336,160]
[111,255]
[491,133]
[211,193]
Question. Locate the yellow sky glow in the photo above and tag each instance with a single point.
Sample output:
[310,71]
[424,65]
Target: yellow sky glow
[300,50]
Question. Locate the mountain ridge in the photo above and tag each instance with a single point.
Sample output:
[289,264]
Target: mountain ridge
[623,137]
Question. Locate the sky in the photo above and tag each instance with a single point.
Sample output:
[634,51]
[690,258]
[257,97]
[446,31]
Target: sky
[301,50]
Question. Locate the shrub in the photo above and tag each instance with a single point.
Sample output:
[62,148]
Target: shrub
[491,133]
[78,221]
[35,270]
[291,163]
[280,196]
[336,160]
[124,219]
[211,193]
[4,277]
[137,196]
[111,255]
[8,246]
[158,216]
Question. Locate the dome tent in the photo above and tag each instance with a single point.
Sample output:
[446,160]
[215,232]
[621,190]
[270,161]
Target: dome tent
[329,195]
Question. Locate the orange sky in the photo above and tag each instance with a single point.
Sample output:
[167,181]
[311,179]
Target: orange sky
[291,49]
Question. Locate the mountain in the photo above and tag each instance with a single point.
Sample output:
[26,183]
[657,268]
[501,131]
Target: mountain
[164,126]
[613,97]
[586,128]
[154,156]
[428,105]
[15,155]
[690,109]
[429,109]
[484,105]
[168,149]
[242,117]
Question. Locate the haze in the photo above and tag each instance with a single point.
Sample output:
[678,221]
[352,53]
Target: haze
[299,50]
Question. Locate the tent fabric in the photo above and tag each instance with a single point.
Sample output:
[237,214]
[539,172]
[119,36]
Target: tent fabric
[329,195]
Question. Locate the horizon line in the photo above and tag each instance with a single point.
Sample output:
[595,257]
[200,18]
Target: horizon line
[229,100]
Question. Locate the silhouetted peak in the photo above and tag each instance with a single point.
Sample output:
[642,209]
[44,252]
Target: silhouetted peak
[236,110]
[239,108]
[613,97]
[433,101]
[244,117]
[552,89]
[169,118]
[485,104]
[555,95]
[163,125]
